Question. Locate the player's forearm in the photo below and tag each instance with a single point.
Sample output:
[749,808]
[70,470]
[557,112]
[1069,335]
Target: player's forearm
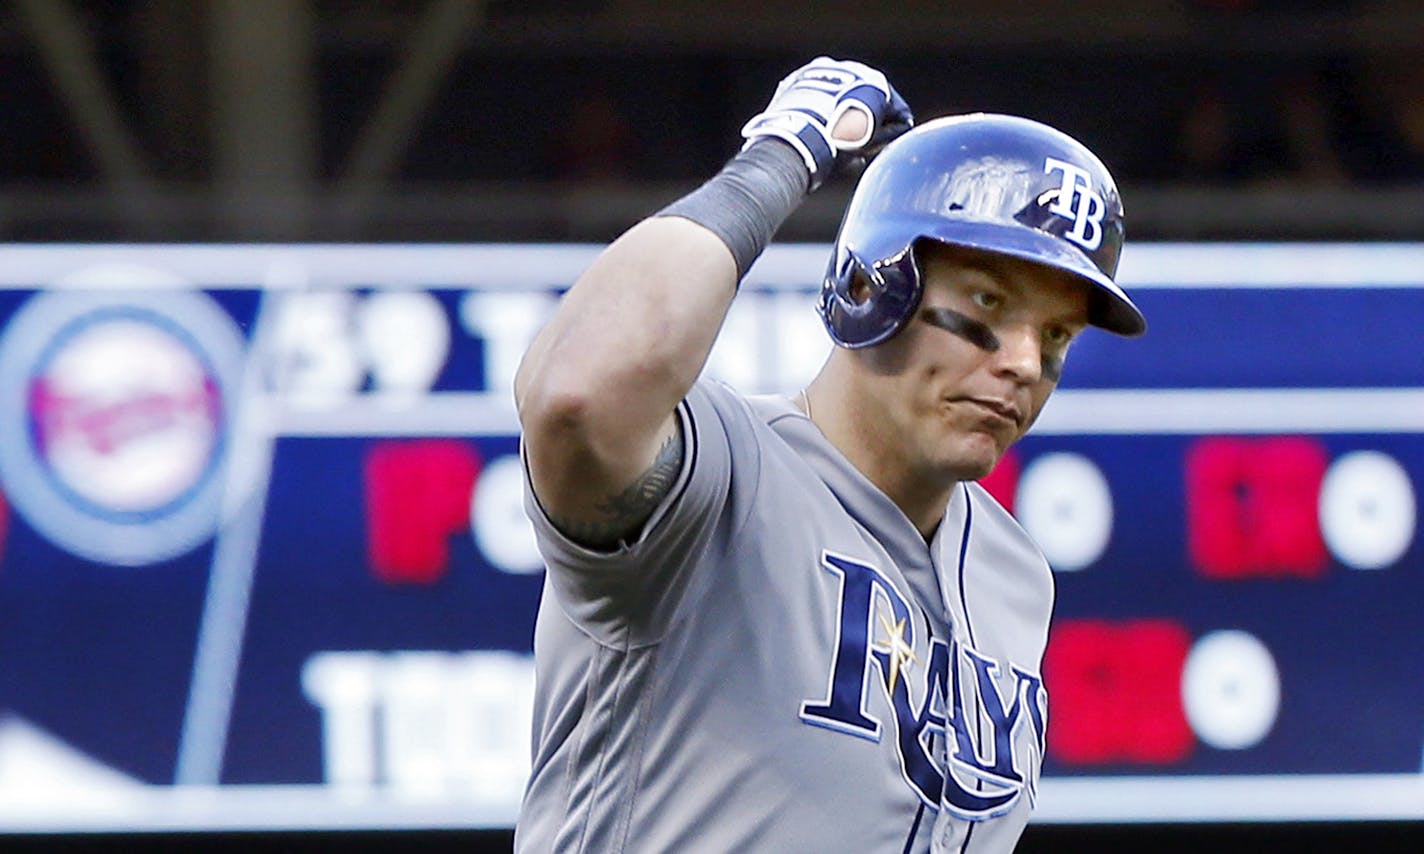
[633,333]
[599,386]
[597,390]
[630,337]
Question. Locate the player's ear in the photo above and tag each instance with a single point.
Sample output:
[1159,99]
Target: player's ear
[860,290]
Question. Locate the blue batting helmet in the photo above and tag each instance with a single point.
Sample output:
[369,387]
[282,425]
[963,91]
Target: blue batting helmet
[991,182]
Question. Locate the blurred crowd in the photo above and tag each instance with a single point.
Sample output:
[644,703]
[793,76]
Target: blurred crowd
[1331,124]
[1223,93]
[1236,121]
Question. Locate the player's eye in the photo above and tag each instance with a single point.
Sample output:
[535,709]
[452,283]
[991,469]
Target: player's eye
[1057,337]
[987,300]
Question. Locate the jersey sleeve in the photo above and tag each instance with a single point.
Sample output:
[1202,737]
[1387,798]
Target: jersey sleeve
[637,586]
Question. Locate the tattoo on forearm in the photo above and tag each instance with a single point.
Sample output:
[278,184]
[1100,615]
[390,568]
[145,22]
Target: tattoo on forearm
[620,514]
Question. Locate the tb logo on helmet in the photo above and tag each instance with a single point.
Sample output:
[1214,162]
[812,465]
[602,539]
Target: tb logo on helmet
[1077,201]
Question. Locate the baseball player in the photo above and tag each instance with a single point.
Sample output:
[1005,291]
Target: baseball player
[798,624]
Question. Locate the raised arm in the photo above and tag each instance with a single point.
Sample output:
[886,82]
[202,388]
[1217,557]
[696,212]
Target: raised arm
[599,386]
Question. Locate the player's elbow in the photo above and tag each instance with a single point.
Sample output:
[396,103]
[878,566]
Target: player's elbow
[565,412]
[553,407]
[603,422]
[574,448]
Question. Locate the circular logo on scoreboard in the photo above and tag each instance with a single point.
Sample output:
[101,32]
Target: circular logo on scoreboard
[114,415]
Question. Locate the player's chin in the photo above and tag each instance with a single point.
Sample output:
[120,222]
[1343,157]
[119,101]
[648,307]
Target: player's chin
[976,455]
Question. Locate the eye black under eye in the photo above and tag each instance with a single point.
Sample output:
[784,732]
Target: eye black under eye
[975,332]
[1052,366]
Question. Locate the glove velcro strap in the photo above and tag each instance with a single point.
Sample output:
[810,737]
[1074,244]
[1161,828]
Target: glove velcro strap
[812,142]
[803,131]
[872,96]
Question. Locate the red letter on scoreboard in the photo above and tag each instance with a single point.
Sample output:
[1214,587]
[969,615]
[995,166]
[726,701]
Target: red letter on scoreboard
[417,494]
[1252,507]
[1115,692]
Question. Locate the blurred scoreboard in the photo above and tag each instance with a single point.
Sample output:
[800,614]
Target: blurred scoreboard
[264,563]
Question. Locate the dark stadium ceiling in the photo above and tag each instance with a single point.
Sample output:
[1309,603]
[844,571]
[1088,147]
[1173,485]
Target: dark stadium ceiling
[581,26]
[411,119]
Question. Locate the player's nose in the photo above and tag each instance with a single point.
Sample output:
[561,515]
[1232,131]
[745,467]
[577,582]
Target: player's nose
[1020,353]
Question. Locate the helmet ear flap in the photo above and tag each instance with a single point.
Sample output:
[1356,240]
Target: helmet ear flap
[863,302]
[858,286]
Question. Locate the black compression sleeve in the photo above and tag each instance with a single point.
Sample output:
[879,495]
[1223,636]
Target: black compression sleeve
[746,202]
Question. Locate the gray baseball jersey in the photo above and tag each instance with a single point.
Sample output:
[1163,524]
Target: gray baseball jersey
[780,662]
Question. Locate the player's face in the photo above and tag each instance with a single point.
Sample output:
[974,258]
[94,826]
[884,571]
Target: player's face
[970,373]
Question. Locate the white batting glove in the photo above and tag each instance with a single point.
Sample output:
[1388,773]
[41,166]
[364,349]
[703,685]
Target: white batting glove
[813,98]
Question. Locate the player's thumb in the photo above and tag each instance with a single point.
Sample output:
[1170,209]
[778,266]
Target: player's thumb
[852,125]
